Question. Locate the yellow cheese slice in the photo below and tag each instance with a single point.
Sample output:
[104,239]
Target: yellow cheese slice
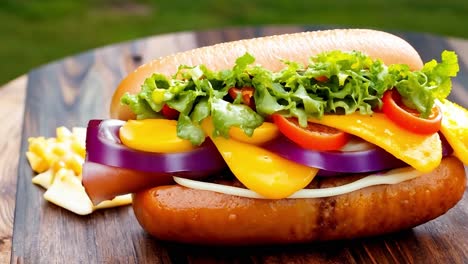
[262,134]
[44,179]
[117,201]
[153,135]
[455,128]
[422,152]
[59,164]
[260,170]
[67,192]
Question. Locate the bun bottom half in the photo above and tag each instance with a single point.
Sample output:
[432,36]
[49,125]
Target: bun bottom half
[176,213]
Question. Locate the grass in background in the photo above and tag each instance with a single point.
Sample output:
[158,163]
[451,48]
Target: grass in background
[36,32]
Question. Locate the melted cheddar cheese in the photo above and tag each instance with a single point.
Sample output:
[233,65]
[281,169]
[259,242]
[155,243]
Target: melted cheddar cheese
[262,171]
[455,128]
[422,152]
[153,135]
[274,177]
[262,134]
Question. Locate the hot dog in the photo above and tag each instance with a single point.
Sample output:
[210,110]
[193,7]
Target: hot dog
[214,218]
[422,184]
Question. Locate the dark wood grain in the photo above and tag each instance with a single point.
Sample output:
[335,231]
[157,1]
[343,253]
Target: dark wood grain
[76,89]
[11,113]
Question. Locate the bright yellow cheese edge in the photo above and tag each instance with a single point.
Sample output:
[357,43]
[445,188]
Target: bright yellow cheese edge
[260,170]
[455,128]
[58,162]
[274,177]
[422,152]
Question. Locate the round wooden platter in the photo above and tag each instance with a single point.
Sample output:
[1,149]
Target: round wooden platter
[72,91]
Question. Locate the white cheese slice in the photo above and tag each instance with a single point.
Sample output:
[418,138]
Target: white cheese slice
[391,177]
[67,192]
[44,179]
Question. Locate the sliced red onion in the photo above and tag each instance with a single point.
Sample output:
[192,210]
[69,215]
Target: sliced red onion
[446,148]
[332,163]
[103,146]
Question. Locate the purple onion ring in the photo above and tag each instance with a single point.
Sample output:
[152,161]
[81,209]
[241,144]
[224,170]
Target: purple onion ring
[103,146]
[332,163]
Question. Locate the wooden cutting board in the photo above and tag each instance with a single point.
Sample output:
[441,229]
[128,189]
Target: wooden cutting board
[72,91]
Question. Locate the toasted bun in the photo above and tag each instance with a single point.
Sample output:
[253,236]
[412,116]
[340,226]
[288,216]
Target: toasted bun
[179,214]
[268,52]
[202,217]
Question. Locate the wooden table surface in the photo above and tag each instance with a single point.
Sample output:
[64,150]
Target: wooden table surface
[72,91]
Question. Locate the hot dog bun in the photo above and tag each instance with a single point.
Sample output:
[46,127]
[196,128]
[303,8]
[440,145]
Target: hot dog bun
[268,52]
[193,216]
[202,217]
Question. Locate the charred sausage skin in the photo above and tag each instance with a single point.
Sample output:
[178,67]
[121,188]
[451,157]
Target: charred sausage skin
[176,213]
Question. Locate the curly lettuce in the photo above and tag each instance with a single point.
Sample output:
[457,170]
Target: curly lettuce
[333,82]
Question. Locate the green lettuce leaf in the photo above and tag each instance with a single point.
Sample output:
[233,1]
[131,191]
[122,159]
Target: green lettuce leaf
[419,89]
[354,82]
[187,129]
[225,115]
[139,106]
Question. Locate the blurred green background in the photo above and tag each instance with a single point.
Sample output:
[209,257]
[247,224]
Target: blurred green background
[36,32]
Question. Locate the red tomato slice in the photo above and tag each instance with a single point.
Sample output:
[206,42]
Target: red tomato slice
[246,93]
[408,118]
[314,136]
[322,79]
[233,92]
[170,113]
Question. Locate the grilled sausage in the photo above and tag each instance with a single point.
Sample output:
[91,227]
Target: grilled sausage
[203,217]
